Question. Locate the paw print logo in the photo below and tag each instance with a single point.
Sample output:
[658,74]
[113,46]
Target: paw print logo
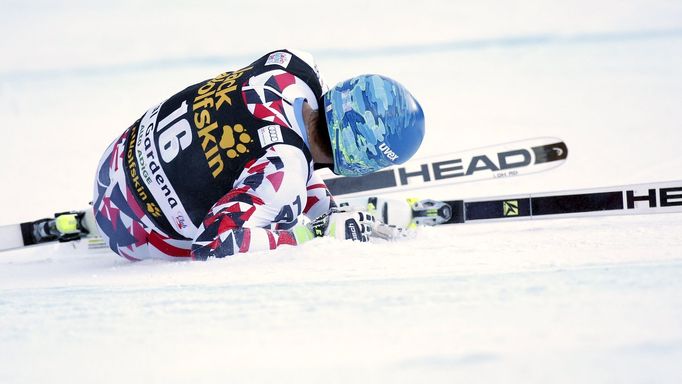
[153,209]
[233,140]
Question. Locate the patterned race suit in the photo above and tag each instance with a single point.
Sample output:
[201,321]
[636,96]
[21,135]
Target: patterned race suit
[221,167]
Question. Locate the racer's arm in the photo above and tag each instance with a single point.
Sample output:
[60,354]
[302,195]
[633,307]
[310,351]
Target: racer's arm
[270,190]
[319,200]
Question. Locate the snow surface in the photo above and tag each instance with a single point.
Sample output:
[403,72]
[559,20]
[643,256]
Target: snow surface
[596,300]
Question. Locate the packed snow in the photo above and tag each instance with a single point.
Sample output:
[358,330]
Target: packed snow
[589,300]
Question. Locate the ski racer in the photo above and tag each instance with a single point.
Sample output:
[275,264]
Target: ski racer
[226,165]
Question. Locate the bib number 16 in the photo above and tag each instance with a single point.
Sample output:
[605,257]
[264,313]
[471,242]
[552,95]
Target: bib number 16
[175,134]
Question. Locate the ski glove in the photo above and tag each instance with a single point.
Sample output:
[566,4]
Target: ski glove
[352,225]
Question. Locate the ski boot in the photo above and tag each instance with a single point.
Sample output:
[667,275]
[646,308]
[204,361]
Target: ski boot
[402,213]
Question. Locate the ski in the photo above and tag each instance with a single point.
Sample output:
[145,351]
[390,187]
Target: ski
[646,198]
[503,160]
[63,227]
[635,199]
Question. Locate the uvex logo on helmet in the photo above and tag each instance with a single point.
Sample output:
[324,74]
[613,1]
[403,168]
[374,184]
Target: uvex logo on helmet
[386,150]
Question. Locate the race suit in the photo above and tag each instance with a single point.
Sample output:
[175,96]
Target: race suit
[221,167]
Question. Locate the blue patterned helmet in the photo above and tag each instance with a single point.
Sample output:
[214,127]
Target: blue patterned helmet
[373,122]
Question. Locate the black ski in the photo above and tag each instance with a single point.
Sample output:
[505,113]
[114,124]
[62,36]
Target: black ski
[663,197]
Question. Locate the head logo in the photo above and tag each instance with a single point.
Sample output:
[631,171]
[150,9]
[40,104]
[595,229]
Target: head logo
[558,151]
[510,208]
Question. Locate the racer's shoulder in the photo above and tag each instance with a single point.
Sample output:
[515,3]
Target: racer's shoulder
[298,62]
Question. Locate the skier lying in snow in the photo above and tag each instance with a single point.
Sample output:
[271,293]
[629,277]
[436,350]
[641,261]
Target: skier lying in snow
[226,165]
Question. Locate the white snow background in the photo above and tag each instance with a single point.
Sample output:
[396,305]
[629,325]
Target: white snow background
[589,300]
